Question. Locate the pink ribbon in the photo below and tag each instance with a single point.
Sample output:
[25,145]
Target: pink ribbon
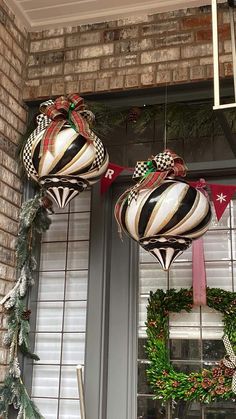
[199,273]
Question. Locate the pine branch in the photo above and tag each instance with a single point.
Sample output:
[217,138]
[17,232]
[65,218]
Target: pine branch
[33,221]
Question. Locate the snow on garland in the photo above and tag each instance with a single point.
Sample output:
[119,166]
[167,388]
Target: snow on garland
[34,220]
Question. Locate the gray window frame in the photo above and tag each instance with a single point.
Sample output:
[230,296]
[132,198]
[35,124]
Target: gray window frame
[111,346]
[111,382]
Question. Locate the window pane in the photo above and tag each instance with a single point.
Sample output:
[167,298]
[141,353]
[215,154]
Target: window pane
[51,286]
[73,348]
[217,245]
[221,410]
[48,407]
[48,347]
[53,256]
[151,409]
[185,349]
[69,409]
[79,226]
[219,275]
[76,285]
[45,381]
[195,336]
[213,349]
[75,316]
[186,410]
[78,255]
[81,203]
[69,386]
[58,228]
[151,276]
[61,310]
[180,275]
[49,316]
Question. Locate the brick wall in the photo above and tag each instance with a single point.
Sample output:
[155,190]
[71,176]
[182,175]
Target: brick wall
[174,47]
[13,54]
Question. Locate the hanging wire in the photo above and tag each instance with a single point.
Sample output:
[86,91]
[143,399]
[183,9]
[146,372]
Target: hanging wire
[165,105]
[165,117]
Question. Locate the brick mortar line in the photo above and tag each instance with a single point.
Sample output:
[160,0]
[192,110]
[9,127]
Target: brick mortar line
[5,231]
[121,55]
[11,49]
[7,248]
[21,104]
[11,19]
[16,129]
[7,280]
[11,141]
[11,219]
[19,88]
[23,64]
[9,170]
[14,39]
[14,189]
[11,266]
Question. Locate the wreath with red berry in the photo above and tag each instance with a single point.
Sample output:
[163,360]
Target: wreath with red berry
[207,385]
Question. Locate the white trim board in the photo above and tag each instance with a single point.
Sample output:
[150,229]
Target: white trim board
[96,11]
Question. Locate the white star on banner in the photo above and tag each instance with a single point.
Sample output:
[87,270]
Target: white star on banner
[221,197]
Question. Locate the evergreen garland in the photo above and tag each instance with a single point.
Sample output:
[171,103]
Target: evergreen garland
[166,383]
[184,120]
[34,220]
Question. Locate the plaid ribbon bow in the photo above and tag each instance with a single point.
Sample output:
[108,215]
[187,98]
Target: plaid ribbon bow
[64,110]
[155,170]
[230,360]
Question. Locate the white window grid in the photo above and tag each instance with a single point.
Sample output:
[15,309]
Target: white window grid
[202,323]
[60,329]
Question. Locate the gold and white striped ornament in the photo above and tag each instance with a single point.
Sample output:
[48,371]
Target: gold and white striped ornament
[75,164]
[165,219]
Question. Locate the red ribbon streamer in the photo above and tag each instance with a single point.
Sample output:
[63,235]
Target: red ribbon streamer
[199,273]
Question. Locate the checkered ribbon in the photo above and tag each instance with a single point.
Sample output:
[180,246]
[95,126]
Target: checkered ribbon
[155,170]
[230,360]
[64,110]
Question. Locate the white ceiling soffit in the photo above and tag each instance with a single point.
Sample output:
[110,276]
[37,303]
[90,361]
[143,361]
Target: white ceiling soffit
[43,14]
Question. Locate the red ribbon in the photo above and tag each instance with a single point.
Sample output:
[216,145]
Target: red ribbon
[63,111]
[199,273]
[152,180]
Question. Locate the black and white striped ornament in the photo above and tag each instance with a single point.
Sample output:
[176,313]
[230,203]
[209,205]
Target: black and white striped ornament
[75,164]
[166,219]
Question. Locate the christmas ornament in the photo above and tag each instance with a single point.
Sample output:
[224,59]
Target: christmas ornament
[134,114]
[162,213]
[62,154]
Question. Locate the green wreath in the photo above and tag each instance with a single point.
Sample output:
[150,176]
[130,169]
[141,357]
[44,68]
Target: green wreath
[207,385]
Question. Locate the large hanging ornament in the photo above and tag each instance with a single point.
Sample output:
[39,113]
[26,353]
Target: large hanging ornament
[63,154]
[162,213]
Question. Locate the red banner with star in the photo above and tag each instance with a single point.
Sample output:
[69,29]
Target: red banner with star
[221,196]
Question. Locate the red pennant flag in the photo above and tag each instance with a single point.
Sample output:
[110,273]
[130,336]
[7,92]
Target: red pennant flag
[111,174]
[221,196]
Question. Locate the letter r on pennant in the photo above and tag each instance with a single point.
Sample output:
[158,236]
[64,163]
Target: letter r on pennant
[109,173]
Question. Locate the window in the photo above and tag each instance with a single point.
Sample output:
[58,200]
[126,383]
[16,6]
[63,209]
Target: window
[195,338]
[61,303]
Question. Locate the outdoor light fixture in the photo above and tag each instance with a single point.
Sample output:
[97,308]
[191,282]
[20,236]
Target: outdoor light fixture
[215,31]
[232,3]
